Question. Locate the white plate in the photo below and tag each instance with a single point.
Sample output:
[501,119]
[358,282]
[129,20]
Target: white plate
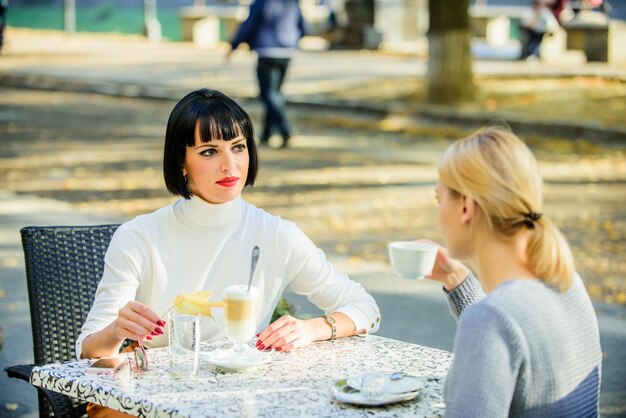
[395,387]
[226,360]
[343,392]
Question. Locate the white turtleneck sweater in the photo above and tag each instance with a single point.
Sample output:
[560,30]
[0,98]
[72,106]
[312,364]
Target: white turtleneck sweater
[193,245]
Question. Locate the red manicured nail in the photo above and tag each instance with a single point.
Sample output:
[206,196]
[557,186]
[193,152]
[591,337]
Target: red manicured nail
[158,331]
[149,338]
[154,333]
[160,323]
[258,343]
[261,347]
[278,349]
[258,335]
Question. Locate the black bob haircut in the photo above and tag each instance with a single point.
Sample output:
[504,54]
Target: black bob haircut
[219,117]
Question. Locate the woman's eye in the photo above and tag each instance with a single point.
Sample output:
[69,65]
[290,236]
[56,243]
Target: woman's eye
[208,152]
[240,147]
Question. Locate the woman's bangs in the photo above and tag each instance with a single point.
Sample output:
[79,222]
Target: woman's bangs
[219,123]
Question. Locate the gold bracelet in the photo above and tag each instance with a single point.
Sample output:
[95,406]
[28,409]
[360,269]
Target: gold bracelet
[333,327]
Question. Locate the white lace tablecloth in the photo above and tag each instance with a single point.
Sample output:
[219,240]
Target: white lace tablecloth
[294,384]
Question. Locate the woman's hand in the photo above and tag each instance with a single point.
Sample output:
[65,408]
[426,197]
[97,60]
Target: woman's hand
[287,333]
[137,322]
[448,271]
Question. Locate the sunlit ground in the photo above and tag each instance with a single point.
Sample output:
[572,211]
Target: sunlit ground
[349,183]
[595,100]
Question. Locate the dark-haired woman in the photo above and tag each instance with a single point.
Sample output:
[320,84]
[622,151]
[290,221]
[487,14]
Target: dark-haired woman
[204,241]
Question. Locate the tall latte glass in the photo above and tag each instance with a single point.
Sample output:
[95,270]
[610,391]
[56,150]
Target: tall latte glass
[240,315]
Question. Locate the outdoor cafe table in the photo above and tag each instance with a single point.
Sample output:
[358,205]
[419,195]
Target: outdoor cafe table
[287,385]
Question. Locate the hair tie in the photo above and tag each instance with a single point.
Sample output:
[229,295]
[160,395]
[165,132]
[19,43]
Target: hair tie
[530,218]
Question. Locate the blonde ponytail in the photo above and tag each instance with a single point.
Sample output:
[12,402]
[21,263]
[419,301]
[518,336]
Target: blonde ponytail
[496,169]
[549,255]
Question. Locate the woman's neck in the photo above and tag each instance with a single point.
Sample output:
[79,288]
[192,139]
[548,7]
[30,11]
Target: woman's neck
[498,261]
[207,214]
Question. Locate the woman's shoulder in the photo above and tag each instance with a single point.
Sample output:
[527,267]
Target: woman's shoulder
[516,296]
[145,222]
[286,231]
[522,292]
[503,303]
[260,215]
[528,301]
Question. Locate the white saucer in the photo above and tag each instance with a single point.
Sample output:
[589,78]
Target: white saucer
[343,392]
[395,387]
[226,360]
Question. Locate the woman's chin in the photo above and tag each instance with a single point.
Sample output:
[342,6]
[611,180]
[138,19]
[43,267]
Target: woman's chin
[219,198]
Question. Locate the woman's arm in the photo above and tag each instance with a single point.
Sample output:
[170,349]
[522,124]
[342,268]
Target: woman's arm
[309,272]
[458,281]
[464,295]
[248,29]
[487,358]
[114,314]
[287,332]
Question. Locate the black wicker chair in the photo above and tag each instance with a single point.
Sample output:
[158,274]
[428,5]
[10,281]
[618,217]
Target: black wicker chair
[63,268]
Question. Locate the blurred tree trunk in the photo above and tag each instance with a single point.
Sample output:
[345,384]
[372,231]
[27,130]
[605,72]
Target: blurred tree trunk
[450,77]
[69,16]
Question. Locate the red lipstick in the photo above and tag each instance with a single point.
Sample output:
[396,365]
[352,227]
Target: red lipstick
[228,181]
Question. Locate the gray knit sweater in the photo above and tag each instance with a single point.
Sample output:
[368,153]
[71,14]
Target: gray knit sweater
[525,350]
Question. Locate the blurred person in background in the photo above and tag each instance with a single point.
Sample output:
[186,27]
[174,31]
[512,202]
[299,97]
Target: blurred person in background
[557,7]
[536,22]
[598,5]
[273,29]
[531,346]
[4,5]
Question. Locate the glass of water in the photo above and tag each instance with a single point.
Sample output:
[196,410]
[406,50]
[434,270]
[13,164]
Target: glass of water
[184,342]
[372,385]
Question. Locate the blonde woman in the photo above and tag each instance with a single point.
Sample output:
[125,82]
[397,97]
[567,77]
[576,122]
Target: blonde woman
[530,346]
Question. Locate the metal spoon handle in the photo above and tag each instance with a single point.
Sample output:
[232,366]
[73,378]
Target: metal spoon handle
[255,259]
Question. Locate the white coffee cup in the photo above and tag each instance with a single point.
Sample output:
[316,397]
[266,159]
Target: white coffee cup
[411,259]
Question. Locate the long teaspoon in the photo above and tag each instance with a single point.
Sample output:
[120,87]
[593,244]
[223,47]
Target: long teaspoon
[255,259]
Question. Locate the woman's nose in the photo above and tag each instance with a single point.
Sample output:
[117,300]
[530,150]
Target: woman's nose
[227,162]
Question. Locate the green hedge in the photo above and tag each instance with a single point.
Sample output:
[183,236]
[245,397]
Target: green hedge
[103,18]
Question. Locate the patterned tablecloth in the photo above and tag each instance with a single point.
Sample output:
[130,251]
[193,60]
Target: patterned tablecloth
[295,384]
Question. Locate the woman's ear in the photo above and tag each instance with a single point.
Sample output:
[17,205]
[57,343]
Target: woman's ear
[468,209]
[184,172]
